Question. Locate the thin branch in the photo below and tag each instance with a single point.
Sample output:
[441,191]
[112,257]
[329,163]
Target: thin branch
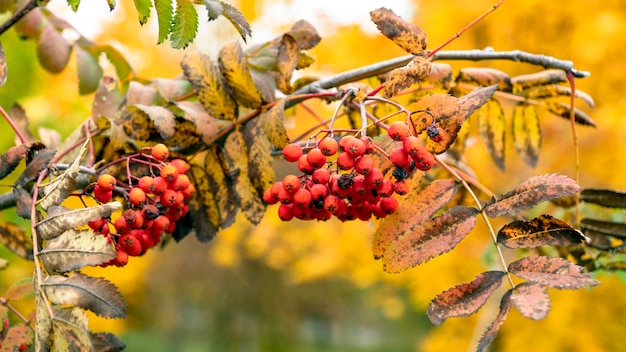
[18,15]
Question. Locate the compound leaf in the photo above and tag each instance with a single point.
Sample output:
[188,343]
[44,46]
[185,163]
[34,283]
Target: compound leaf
[20,289]
[554,91]
[305,35]
[531,300]
[491,126]
[552,272]
[464,299]
[615,229]
[532,192]
[60,219]
[163,119]
[234,67]
[106,342]
[89,71]
[208,82]
[527,133]
[23,202]
[171,89]
[36,165]
[492,330]
[416,208]
[204,202]
[220,187]
[184,24]
[165,15]
[561,109]
[402,78]
[540,231]
[235,17]
[429,239]
[406,35]
[53,51]
[73,250]
[71,330]
[79,290]
[43,323]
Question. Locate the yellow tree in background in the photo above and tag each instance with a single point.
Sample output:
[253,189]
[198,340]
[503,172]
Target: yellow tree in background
[463,141]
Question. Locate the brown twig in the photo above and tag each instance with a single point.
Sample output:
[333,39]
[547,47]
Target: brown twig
[18,15]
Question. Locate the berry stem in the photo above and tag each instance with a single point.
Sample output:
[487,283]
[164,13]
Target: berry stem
[349,93]
[572,118]
[17,313]
[16,129]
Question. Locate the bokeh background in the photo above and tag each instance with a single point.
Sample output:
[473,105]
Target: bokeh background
[314,286]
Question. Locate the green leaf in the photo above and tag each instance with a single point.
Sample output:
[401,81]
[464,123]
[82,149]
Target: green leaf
[165,13]
[143,7]
[185,24]
[122,67]
[111,4]
[89,71]
[53,50]
[73,4]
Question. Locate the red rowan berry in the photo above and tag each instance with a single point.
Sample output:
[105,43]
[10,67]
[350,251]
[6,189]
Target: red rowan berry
[345,161]
[328,146]
[389,205]
[401,187]
[301,213]
[331,204]
[291,183]
[400,158]
[189,191]
[355,148]
[146,240]
[160,224]
[121,226]
[375,177]
[168,198]
[106,182]
[359,186]
[129,215]
[292,152]
[101,195]
[336,190]
[285,212]
[319,192]
[137,196]
[316,158]
[412,145]
[364,165]
[398,131]
[344,140]
[160,152]
[159,185]
[146,183]
[181,165]
[284,196]
[97,225]
[424,160]
[129,244]
[171,227]
[169,173]
[378,212]
[121,258]
[386,188]
[321,176]
[304,166]
[268,197]
[369,144]
[181,183]
[302,198]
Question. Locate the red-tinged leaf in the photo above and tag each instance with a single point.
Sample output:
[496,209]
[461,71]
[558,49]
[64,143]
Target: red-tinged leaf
[532,192]
[141,94]
[171,89]
[265,85]
[40,161]
[464,299]
[440,75]
[604,197]
[563,110]
[286,62]
[527,133]
[429,239]
[404,77]
[107,99]
[552,272]
[17,335]
[106,342]
[615,229]
[492,330]
[491,126]
[20,119]
[540,231]
[531,300]
[206,125]
[485,76]
[20,289]
[53,50]
[406,35]
[23,202]
[523,82]
[417,207]
[11,158]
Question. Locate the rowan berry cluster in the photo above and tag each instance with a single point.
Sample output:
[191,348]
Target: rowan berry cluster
[154,203]
[341,179]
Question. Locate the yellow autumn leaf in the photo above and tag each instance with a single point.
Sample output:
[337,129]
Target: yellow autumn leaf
[491,126]
[235,69]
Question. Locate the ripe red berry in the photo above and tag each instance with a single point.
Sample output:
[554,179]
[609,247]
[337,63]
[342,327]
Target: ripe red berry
[359,187]
[181,183]
[328,146]
[97,225]
[398,131]
[375,177]
[319,192]
[389,205]
[345,161]
[424,160]
[181,165]
[169,173]
[121,225]
[321,176]
[304,166]
[101,195]
[159,185]
[355,147]
[291,183]
[106,182]
[400,158]
[168,198]
[369,144]
[160,224]
[412,145]
[189,191]
[364,165]
[137,196]
[121,258]
[331,204]
[129,244]
[386,188]
[268,197]
[292,152]
[344,141]
[160,152]
[146,183]
[302,198]
[285,212]
[401,187]
[316,158]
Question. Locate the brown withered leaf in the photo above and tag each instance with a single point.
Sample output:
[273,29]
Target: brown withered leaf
[429,239]
[106,342]
[17,335]
[402,78]
[406,35]
[485,76]
[74,250]
[440,75]
[53,51]
[615,229]
[234,67]
[531,192]
[286,62]
[186,138]
[604,197]
[259,155]
[136,124]
[555,90]
[60,219]
[417,207]
[18,114]
[62,186]
[206,125]
[15,239]
[305,34]
[38,163]
[273,124]
[43,323]
[236,157]
[171,89]
[163,119]
[106,100]
[540,231]
[450,117]
[531,300]
[464,299]
[11,158]
[70,327]
[236,18]
[492,330]
[523,82]
[426,110]
[3,66]
[527,133]
[562,109]
[204,199]
[220,187]
[23,202]
[79,290]
[552,272]
[492,128]
[141,94]
[265,84]
[208,82]
[20,289]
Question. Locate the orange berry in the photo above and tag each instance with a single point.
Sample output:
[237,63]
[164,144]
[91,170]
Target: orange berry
[168,198]
[146,183]
[316,158]
[137,196]
[160,152]
[328,146]
[101,195]
[398,131]
[180,165]
[106,182]
[169,173]
[130,244]
[292,152]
